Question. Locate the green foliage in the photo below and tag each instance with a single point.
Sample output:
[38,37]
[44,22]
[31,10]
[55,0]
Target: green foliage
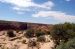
[29,33]
[69,45]
[61,46]
[39,33]
[71,33]
[41,39]
[63,32]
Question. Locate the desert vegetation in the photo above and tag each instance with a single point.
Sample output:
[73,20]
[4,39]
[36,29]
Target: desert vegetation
[18,35]
[64,36]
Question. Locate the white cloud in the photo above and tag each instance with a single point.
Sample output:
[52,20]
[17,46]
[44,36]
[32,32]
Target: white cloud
[57,15]
[16,8]
[28,3]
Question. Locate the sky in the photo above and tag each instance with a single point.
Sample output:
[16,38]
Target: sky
[38,11]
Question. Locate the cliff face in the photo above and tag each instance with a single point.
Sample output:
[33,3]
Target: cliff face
[12,25]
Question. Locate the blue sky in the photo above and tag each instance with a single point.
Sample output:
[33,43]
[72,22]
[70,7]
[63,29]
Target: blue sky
[38,11]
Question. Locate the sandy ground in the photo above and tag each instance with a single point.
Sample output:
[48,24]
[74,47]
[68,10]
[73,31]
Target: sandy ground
[17,44]
[20,45]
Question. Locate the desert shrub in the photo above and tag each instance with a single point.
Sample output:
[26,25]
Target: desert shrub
[29,33]
[64,32]
[61,46]
[39,33]
[10,33]
[47,32]
[41,39]
[69,45]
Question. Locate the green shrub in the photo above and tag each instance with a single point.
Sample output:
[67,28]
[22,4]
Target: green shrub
[29,33]
[39,33]
[69,45]
[41,39]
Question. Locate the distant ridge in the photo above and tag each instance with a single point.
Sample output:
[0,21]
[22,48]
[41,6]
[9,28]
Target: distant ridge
[24,22]
[12,25]
[15,25]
